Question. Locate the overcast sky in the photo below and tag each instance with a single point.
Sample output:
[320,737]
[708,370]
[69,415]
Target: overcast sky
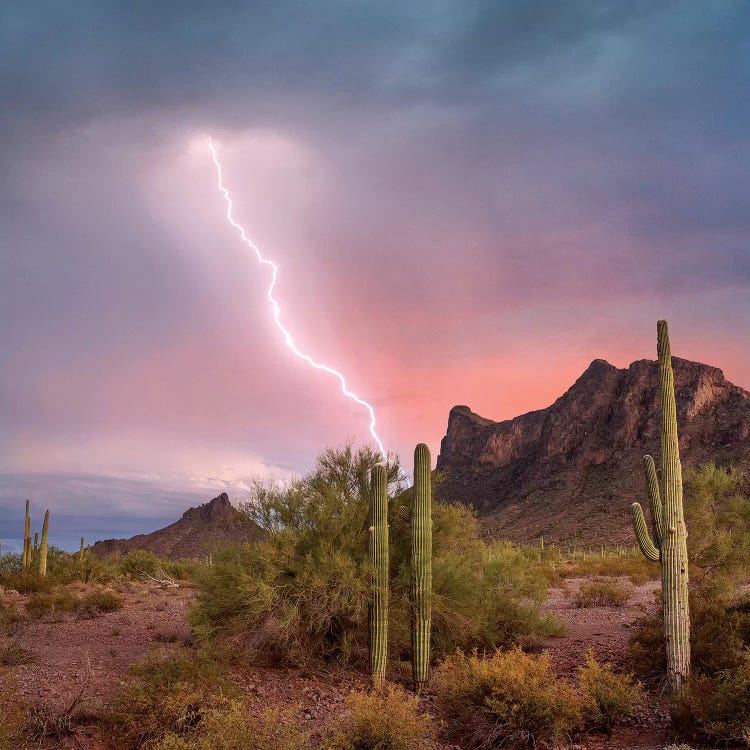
[468,202]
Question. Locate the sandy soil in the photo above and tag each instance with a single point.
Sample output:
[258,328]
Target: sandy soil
[70,652]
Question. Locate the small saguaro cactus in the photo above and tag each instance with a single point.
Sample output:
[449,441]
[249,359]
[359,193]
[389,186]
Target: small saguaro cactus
[43,546]
[378,548]
[669,545]
[26,561]
[420,591]
[35,548]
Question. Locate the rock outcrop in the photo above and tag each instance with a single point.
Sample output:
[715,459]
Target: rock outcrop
[570,472]
[194,535]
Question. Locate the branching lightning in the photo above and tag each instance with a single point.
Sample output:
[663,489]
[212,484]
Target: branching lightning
[288,340]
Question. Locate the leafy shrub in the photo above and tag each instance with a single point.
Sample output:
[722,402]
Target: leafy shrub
[510,699]
[139,561]
[716,709]
[303,591]
[607,697]
[387,719]
[165,694]
[231,726]
[602,594]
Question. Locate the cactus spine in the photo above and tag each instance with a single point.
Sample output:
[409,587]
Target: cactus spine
[378,548]
[26,560]
[669,544]
[43,547]
[421,567]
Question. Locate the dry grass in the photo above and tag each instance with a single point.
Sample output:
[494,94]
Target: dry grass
[635,567]
[602,593]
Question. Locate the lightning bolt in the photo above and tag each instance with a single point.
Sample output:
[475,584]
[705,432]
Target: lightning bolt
[288,340]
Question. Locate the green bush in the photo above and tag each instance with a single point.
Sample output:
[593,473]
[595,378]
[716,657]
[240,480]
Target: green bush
[716,709]
[387,719]
[509,699]
[608,697]
[602,594]
[303,591]
[232,726]
[139,561]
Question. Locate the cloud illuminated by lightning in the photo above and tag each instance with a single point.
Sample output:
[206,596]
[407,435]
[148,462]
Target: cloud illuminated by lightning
[288,340]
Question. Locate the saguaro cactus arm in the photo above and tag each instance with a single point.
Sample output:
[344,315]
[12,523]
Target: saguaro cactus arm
[649,549]
[654,500]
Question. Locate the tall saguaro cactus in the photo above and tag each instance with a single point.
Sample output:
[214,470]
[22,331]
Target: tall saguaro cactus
[420,591]
[43,546]
[669,545]
[378,548]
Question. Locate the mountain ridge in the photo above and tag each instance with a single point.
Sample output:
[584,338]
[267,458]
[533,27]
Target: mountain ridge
[570,471]
[194,534]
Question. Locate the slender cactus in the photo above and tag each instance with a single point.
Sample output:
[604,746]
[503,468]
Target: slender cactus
[35,548]
[669,545]
[26,561]
[378,543]
[43,546]
[421,567]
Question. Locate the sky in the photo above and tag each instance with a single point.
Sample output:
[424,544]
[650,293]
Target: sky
[467,201]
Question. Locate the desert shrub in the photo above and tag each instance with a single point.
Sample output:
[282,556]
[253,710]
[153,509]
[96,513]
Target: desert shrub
[303,591]
[608,697]
[602,594]
[50,604]
[231,726]
[633,566]
[97,602]
[12,713]
[163,696]
[716,709]
[386,719]
[12,653]
[509,699]
[139,561]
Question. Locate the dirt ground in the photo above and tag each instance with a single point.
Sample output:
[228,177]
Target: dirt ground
[70,655]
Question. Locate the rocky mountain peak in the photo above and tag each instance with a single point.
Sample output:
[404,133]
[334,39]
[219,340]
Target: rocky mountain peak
[571,470]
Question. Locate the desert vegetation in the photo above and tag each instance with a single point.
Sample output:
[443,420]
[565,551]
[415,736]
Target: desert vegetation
[371,616]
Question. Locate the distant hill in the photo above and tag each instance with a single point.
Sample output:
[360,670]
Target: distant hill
[194,535]
[570,472]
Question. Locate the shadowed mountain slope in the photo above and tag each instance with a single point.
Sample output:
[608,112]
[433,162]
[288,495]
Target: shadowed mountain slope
[570,472]
[194,535]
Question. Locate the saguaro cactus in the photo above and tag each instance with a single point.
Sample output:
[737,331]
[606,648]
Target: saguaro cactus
[378,547]
[26,560]
[669,545]
[421,567]
[43,546]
